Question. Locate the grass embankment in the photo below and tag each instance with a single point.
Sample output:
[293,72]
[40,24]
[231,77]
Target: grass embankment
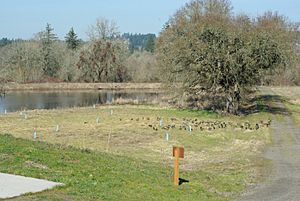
[128,156]
[94,175]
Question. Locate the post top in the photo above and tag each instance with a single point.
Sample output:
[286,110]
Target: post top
[179,150]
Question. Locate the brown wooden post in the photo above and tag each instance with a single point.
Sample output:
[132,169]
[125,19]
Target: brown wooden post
[176,167]
[178,152]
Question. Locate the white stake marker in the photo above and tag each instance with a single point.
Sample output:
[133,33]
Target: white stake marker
[167,136]
[34,134]
[57,128]
[161,123]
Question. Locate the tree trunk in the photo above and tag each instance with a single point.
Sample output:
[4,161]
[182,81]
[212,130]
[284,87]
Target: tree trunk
[229,104]
[232,103]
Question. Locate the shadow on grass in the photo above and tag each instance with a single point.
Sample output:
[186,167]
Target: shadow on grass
[265,103]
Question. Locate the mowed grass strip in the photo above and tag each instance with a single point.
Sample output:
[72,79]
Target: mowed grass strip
[90,175]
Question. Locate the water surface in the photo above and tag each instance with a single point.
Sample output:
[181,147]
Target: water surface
[17,101]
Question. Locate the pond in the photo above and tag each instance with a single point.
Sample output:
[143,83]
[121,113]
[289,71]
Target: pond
[17,101]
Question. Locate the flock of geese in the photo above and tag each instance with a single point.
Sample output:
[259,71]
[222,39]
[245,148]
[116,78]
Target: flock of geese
[191,124]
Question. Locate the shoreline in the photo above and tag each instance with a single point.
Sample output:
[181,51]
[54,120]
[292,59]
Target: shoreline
[80,86]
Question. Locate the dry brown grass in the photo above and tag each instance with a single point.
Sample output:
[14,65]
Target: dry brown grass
[81,86]
[135,131]
[290,92]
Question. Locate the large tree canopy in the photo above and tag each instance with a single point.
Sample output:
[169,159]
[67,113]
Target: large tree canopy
[103,61]
[205,48]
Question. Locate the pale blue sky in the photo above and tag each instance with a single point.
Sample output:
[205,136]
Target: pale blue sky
[24,18]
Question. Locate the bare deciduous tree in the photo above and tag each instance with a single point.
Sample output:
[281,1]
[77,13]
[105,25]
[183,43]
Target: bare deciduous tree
[142,67]
[103,29]
[103,61]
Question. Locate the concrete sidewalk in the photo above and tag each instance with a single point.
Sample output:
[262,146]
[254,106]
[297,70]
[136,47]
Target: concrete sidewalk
[13,185]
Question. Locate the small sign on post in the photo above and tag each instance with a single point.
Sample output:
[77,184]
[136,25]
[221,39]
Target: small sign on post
[178,152]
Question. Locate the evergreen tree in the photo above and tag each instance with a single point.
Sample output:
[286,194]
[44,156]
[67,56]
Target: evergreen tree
[72,39]
[5,41]
[150,44]
[50,64]
[139,41]
[48,37]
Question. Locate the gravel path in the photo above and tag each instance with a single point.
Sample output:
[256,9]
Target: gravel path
[283,183]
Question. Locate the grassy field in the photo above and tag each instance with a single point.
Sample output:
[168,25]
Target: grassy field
[292,96]
[295,109]
[290,93]
[92,146]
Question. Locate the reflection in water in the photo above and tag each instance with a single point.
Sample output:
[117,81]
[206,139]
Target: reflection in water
[16,101]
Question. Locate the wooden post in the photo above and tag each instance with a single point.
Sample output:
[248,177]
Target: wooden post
[178,152]
[176,167]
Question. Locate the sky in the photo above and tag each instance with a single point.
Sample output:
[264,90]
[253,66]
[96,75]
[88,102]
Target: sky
[24,18]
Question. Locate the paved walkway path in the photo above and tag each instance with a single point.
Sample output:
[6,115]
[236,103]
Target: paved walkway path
[13,185]
[284,181]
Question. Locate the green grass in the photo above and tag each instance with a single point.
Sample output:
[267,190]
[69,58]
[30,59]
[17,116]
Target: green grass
[122,158]
[89,175]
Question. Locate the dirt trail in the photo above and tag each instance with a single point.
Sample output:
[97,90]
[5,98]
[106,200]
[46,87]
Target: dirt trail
[283,184]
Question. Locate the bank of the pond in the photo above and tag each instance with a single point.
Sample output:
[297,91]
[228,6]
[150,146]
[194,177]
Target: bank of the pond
[81,86]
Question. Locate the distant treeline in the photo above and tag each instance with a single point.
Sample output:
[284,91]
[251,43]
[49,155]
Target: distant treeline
[6,41]
[137,41]
[107,56]
[140,41]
